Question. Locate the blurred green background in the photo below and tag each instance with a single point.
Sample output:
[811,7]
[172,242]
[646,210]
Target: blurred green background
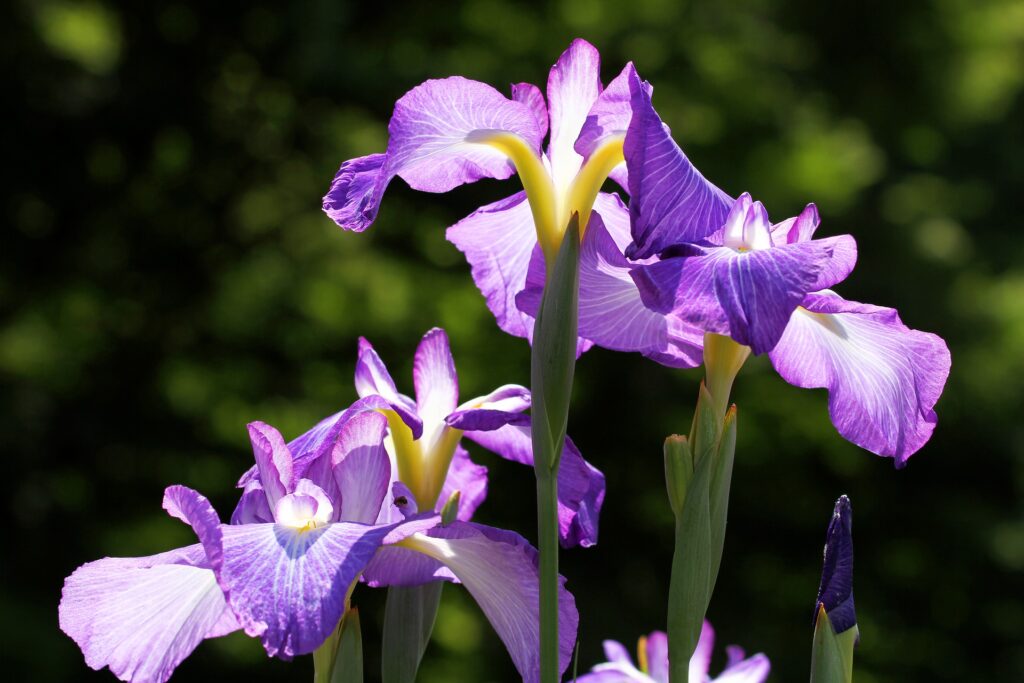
[167,276]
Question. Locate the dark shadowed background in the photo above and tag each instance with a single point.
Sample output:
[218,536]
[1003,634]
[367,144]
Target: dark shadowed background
[167,276]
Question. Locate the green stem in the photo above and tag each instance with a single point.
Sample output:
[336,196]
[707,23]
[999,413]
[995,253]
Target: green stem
[552,365]
[547,541]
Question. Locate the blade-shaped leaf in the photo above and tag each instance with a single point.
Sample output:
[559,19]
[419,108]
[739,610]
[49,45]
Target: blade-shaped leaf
[409,615]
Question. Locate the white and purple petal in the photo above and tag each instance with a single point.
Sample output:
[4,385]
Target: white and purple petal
[612,313]
[430,146]
[580,485]
[372,377]
[883,378]
[469,479]
[498,240]
[273,460]
[609,117]
[747,295]
[670,201]
[499,568]
[574,84]
[434,377]
[752,670]
[355,193]
[361,467]
[531,96]
[142,616]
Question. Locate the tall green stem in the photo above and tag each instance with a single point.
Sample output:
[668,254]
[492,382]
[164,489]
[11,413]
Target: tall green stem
[547,542]
[552,365]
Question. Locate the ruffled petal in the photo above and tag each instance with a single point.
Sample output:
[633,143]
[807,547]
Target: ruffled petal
[580,485]
[748,296]
[498,241]
[499,568]
[431,126]
[362,468]
[883,378]
[354,197]
[802,229]
[612,313]
[434,376]
[574,84]
[532,97]
[372,377]
[670,201]
[142,616]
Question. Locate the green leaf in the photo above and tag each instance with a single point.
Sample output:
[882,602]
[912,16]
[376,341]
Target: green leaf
[831,653]
[340,658]
[554,351]
[678,471]
[409,615]
[689,590]
[721,482]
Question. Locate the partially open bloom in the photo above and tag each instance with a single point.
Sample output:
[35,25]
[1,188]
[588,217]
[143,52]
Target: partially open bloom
[451,131]
[424,438]
[652,662]
[307,527]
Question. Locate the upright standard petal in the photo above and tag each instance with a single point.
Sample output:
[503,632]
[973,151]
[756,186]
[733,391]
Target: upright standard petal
[498,240]
[609,117]
[580,485]
[747,295]
[273,459]
[883,378]
[434,377]
[835,592]
[499,568]
[142,616]
[532,97]
[670,201]
[574,84]
[362,468]
[372,377]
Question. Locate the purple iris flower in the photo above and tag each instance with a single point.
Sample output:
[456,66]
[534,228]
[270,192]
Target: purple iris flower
[727,269]
[835,592]
[652,665]
[424,438]
[307,528]
[452,131]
